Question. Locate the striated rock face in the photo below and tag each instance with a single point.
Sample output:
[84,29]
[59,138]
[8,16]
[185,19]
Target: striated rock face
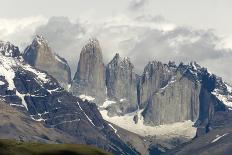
[121,85]
[178,101]
[40,55]
[155,76]
[8,49]
[89,78]
[186,96]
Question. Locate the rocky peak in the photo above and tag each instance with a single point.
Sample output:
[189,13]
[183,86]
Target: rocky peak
[92,48]
[39,40]
[40,55]
[89,78]
[121,85]
[117,61]
[8,49]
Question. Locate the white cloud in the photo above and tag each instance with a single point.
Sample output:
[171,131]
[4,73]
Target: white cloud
[142,38]
[19,30]
[137,4]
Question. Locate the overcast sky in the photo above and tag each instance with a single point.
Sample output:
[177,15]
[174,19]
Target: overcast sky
[144,30]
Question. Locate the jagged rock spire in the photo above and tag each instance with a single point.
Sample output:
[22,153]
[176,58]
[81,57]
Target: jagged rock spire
[40,55]
[121,85]
[89,78]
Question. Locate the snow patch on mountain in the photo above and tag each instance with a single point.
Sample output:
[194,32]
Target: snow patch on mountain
[184,129]
[8,68]
[2,83]
[225,99]
[87,98]
[218,137]
[107,103]
[41,77]
[115,130]
[86,114]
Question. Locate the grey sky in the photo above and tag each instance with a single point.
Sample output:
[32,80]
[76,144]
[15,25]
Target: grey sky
[144,30]
[197,13]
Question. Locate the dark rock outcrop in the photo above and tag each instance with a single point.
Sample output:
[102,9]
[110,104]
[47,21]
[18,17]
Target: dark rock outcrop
[40,55]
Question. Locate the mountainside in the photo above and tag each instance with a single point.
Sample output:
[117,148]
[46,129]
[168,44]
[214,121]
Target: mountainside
[167,100]
[217,141]
[165,107]
[41,97]
[18,125]
[40,55]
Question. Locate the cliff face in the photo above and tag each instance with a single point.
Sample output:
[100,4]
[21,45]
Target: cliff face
[89,78]
[40,55]
[176,102]
[121,85]
[186,96]
[166,93]
[155,76]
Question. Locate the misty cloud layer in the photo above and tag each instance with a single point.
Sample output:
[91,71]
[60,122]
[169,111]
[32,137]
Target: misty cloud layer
[143,38]
[137,4]
[64,37]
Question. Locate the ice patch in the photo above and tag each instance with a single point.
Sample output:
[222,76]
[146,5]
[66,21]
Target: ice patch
[22,97]
[88,98]
[219,137]
[115,130]
[107,103]
[226,99]
[185,129]
[53,90]
[37,120]
[229,88]
[173,79]
[122,100]
[2,83]
[42,77]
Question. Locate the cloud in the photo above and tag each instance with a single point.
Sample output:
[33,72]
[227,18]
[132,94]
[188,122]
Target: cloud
[19,30]
[143,38]
[137,4]
[65,37]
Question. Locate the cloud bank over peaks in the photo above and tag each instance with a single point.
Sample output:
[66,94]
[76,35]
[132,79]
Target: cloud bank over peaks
[142,38]
[137,4]
[19,30]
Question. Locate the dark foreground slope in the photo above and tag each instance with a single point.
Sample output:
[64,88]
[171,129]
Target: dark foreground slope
[216,142]
[9,147]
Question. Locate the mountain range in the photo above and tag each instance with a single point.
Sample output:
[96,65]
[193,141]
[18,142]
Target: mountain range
[169,108]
